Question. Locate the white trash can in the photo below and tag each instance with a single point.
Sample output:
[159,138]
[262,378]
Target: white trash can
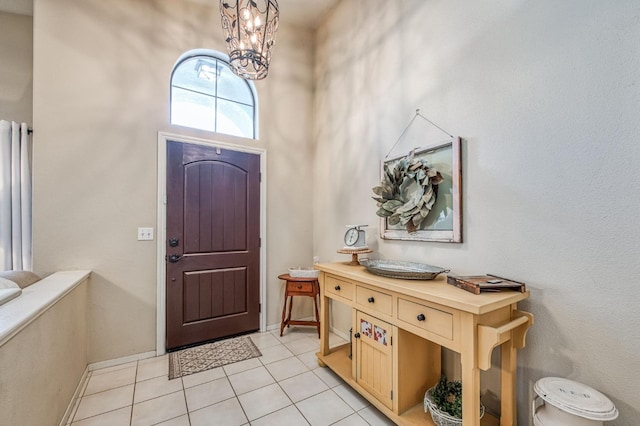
[569,403]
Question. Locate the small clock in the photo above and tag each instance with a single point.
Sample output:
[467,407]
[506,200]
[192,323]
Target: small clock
[355,237]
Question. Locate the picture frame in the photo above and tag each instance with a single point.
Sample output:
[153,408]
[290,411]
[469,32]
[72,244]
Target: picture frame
[444,221]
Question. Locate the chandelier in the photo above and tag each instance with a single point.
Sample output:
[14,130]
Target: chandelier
[250,28]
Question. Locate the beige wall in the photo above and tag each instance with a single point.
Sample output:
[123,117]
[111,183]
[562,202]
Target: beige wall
[101,84]
[41,366]
[546,95]
[16,65]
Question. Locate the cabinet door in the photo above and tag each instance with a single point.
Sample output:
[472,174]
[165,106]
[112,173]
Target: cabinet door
[374,360]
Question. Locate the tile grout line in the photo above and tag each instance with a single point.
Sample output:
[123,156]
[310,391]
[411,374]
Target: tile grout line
[285,393]
[357,412]
[79,399]
[329,388]
[97,393]
[186,404]
[304,399]
[99,414]
[133,396]
[235,394]
[277,343]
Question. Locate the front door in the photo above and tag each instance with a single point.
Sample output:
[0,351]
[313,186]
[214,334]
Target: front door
[213,240]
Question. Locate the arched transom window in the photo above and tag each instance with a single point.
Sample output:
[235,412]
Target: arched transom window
[206,95]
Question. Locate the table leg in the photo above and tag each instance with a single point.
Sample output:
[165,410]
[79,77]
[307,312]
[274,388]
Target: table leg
[470,372]
[284,311]
[315,304]
[508,385]
[324,319]
[290,309]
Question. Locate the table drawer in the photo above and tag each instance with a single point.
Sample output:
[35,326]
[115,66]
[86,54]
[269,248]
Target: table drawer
[374,300]
[300,288]
[427,318]
[338,287]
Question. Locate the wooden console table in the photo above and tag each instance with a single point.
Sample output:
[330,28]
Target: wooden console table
[399,328]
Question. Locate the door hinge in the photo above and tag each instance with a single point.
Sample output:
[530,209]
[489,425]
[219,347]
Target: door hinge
[260,177]
[392,395]
[391,341]
[259,242]
[259,307]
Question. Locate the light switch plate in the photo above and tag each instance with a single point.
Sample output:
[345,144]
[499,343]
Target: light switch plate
[145,234]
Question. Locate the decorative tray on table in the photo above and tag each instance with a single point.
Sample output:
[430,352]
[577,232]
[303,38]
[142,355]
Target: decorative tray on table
[402,270]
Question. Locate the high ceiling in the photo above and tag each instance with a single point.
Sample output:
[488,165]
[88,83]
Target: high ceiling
[301,13]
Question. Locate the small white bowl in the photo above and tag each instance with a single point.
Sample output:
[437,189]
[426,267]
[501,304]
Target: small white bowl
[304,272]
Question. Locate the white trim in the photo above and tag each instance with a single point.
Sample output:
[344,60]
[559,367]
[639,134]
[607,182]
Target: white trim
[194,53]
[273,327]
[340,333]
[161,313]
[37,299]
[119,361]
[76,397]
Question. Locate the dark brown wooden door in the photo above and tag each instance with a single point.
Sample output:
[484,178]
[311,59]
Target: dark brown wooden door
[213,239]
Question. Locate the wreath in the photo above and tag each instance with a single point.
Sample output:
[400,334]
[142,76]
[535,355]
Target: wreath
[407,192]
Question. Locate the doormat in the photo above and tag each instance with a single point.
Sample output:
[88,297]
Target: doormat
[211,355]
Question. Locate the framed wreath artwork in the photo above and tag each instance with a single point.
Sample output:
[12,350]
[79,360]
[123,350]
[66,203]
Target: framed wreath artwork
[420,195]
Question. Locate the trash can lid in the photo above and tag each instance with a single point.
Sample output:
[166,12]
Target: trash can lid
[576,398]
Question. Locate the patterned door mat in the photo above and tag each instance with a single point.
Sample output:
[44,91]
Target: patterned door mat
[211,355]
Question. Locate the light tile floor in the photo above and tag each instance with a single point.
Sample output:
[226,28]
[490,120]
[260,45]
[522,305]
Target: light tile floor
[285,386]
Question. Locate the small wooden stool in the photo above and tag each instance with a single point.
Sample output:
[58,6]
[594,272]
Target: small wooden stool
[299,287]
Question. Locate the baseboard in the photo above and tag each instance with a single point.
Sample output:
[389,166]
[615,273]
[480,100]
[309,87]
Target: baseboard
[339,333]
[85,378]
[76,397]
[123,360]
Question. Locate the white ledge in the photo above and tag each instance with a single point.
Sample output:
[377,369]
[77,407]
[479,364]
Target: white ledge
[36,300]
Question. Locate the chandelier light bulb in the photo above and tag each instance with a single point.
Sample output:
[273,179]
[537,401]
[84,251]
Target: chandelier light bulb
[250,30]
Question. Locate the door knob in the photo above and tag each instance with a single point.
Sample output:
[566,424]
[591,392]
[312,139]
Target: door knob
[357,335]
[173,242]
[174,258]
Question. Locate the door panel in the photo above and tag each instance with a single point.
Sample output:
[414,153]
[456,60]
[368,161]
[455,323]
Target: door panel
[212,226]
[213,294]
[213,237]
[374,365]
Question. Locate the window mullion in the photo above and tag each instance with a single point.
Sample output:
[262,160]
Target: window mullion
[197,83]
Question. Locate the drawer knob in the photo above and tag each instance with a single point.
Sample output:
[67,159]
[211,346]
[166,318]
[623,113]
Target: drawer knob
[371,299]
[299,286]
[421,317]
[337,288]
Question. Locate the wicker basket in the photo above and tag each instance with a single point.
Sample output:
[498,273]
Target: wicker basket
[304,272]
[442,418]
